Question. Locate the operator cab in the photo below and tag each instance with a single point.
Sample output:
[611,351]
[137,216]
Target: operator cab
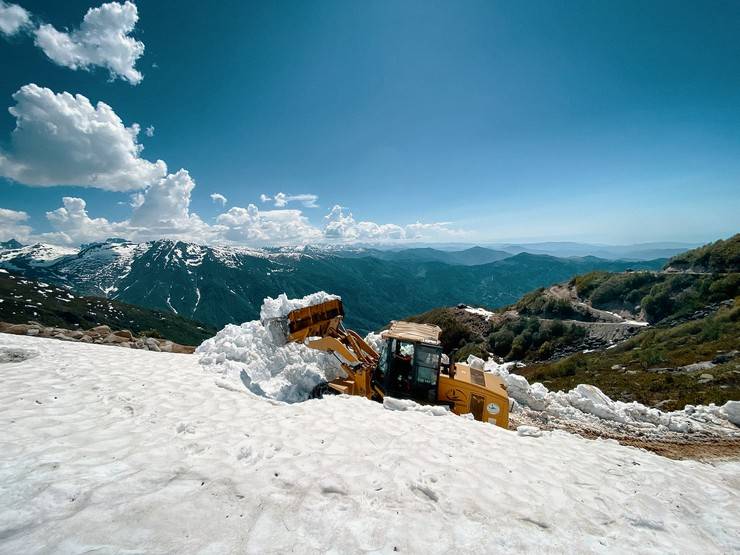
[409,361]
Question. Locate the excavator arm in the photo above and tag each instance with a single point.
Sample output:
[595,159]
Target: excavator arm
[320,327]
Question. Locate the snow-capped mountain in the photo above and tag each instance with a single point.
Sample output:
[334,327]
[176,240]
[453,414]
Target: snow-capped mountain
[223,284]
[19,257]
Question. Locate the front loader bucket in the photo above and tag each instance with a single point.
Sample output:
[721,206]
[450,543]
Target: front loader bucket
[315,321]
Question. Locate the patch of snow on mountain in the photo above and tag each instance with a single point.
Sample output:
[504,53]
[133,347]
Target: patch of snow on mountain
[229,256]
[487,314]
[194,254]
[101,267]
[128,451]
[38,255]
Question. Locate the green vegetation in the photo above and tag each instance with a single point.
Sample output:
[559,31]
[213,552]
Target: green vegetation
[537,303]
[722,256]
[614,291]
[457,334]
[24,300]
[624,372]
[532,338]
[665,296]
[512,339]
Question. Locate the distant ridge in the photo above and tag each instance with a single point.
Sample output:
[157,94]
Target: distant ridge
[220,285]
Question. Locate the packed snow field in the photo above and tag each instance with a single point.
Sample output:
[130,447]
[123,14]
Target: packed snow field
[112,450]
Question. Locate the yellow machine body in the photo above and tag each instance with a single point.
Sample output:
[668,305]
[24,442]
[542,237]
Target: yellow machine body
[475,392]
[464,389]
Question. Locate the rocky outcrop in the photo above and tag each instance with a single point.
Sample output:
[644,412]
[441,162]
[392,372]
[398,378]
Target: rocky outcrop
[102,335]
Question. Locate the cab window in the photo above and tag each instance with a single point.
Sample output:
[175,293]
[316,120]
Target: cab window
[427,364]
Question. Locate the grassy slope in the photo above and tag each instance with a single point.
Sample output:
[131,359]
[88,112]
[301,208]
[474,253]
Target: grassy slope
[24,299]
[721,256]
[661,347]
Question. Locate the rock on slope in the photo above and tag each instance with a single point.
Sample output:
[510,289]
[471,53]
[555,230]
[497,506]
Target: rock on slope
[118,450]
[23,300]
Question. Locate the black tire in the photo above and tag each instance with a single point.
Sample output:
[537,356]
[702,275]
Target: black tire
[320,390]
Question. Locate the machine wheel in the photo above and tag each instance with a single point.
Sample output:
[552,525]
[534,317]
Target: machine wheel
[320,390]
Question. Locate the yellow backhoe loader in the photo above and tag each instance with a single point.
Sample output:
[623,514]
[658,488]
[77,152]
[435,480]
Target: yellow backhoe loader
[410,364]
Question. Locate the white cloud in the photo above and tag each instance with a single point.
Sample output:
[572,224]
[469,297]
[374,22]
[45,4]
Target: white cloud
[149,131]
[12,226]
[253,226]
[218,197]
[61,139]
[137,199]
[166,200]
[281,200]
[165,212]
[162,211]
[102,40]
[433,231]
[342,225]
[73,224]
[13,19]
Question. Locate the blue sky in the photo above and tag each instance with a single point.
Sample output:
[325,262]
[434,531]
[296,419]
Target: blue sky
[480,121]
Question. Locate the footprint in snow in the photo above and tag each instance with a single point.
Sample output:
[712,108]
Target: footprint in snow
[425,490]
[185,428]
[329,487]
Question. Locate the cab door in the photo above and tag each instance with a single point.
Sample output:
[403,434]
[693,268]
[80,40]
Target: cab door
[426,372]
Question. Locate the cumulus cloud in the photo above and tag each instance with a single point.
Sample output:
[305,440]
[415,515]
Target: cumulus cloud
[13,19]
[254,226]
[165,212]
[162,211]
[281,200]
[149,131]
[12,225]
[102,39]
[218,197]
[340,224]
[73,224]
[166,200]
[61,139]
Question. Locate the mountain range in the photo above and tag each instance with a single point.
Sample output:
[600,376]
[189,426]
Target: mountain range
[220,285]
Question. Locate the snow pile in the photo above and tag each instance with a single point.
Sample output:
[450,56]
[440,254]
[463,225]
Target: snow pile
[392,403]
[282,306]
[528,431]
[258,357]
[587,404]
[731,411]
[375,341]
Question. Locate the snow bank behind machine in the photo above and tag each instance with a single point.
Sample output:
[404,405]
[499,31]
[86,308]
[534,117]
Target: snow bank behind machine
[267,366]
[586,406]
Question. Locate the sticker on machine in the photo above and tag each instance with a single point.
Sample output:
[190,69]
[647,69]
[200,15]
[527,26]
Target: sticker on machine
[493,409]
